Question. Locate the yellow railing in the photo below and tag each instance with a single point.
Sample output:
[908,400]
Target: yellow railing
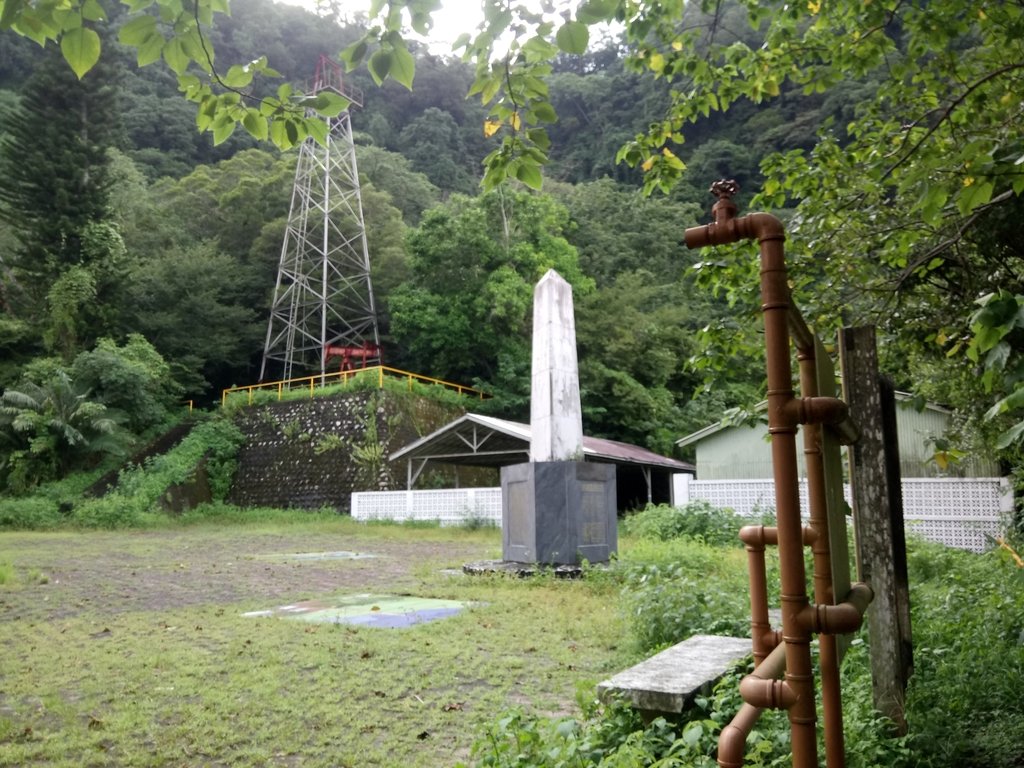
[319,381]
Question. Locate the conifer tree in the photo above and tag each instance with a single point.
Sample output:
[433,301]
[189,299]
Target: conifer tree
[55,193]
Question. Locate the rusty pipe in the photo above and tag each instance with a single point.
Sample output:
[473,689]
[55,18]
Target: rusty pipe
[818,410]
[762,535]
[782,426]
[763,637]
[842,618]
[824,593]
[732,739]
[755,538]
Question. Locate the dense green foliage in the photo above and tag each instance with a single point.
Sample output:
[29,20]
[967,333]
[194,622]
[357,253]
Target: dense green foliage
[177,238]
[211,448]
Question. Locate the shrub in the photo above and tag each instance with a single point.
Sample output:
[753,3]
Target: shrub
[31,513]
[50,429]
[697,520]
[140,489]
[615,736]
[963,703]
[666,605]
[132,378]
[112,511]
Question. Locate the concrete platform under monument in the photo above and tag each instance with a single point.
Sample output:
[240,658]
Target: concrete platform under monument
[558,512]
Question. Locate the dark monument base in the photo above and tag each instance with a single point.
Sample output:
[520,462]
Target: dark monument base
[558,512]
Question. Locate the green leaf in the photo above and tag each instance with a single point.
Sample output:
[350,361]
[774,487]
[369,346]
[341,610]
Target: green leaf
[421,23]
[353,56]
[403,66]
[573,37]
[136,31]
[237,77]
[149,51]
[175,57]
[81,49]
[255,124]
[597,10]
[537,49]
[330,104]
[545,112]
[1010,436]
[974,196]
[530,175]
[93,11]
[539,136]
[1011,402]
[278,135]
[223,127]
[317,129]
[379,65]
[207,112]
[10,11]
[693,734]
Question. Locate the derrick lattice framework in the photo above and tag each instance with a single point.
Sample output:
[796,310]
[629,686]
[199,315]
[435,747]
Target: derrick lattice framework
[323,300]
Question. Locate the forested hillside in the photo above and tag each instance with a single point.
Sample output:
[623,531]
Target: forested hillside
[127,233]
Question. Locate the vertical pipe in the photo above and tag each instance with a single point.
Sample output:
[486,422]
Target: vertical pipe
[828,653]
[782,427]
[753,538]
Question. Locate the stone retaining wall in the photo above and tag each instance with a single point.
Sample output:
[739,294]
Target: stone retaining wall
[315,453]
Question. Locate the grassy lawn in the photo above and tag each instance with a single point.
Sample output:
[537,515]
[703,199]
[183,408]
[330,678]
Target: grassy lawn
[130,648]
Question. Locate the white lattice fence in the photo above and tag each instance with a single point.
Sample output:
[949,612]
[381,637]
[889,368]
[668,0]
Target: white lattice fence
[455,506]
[957,512]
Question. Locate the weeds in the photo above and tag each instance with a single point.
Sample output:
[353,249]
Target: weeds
[136,500]
[698,520]
[963,704]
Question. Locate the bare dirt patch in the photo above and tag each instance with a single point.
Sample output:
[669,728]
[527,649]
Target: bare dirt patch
[64,574]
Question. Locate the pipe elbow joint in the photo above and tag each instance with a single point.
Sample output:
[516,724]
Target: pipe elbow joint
[731,746]
[760,226]
[839,619]
[767,694]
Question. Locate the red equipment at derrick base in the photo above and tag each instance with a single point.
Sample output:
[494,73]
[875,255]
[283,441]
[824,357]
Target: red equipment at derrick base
[348,355]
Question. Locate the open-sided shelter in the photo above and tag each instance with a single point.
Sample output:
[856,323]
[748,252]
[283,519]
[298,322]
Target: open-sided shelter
[642,475]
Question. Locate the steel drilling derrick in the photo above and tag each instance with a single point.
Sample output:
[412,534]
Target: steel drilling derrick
[323,297]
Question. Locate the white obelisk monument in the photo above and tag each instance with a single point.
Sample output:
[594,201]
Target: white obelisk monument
[556,416]
[557,509]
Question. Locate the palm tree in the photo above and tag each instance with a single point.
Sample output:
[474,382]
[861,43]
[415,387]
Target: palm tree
[50,429]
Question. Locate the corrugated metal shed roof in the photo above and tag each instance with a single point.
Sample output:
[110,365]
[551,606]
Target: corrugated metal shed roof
[479,440]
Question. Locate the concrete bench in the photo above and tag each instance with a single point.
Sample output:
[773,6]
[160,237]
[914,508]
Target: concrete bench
[668,682]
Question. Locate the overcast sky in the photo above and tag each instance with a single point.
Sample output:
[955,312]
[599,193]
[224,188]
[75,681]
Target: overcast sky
[454,18]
